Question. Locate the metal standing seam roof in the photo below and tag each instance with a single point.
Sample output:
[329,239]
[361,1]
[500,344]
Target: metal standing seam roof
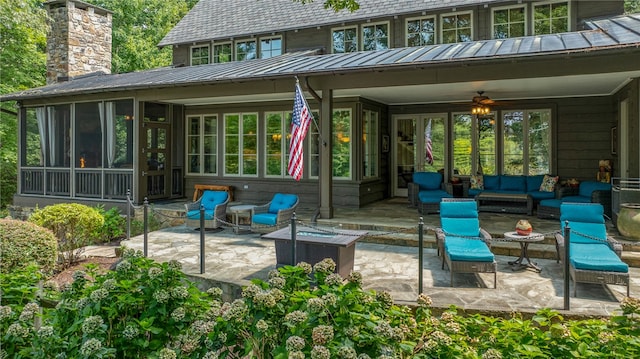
[224,19]
[615,33]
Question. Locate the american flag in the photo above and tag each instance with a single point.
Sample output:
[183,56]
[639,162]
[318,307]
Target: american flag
[428,144]
[299,126]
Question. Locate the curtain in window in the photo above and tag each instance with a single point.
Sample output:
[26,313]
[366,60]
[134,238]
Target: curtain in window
[110,112]
[52,135]
[42,128]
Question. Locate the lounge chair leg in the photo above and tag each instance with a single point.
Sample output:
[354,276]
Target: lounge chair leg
[451,284]
[495,280]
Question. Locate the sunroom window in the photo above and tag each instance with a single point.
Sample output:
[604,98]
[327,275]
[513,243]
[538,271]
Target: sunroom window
[202,144]
[509,22]
[527,142]
[370,142]
[276,143]
[246,50]
[341,144]
[550,17]
[421,31]
[270,47]
[222,53]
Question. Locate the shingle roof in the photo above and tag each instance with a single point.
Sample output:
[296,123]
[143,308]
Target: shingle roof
[607,34]
[223,19]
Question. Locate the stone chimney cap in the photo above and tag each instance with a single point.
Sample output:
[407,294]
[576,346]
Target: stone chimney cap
[79,4]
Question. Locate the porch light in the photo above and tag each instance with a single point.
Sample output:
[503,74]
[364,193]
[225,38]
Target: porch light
[480,109]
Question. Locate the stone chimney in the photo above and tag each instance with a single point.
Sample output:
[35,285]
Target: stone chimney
[79,39]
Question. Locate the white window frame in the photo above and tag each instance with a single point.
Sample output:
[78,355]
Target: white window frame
[214,59]
[240,144]
[344,28]
[235,48]
[260,51]
[191,58]
[441,25]
[526,139]
[285,132]
[374,25]
[533,13]
[421,18]
[201,142]
[519,6]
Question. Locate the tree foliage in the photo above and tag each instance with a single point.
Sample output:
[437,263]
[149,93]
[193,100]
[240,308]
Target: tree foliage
[632,6]
[336,5]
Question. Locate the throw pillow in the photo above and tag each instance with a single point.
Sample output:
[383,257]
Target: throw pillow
[548,183]
[477,182]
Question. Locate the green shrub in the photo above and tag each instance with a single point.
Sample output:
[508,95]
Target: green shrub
[74,224]
[23,243]
[114,224]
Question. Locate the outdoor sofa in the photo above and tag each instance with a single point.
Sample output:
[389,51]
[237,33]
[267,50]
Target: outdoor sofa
[587,192]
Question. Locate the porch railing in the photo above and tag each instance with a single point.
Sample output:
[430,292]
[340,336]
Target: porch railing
[88,183]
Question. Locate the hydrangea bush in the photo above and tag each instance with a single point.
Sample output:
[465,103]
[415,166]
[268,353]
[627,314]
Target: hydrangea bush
[144,309]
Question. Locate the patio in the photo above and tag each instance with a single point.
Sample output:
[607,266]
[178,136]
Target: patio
[390,262]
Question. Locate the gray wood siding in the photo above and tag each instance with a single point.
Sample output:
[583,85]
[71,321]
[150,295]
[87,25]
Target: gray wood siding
[181,55]
[583,129]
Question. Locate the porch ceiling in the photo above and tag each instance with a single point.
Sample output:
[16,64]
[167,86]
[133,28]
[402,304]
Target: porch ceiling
[506,89]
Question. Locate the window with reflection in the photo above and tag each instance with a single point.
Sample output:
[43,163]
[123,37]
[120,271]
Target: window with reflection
[344,40]
[341,149]
[434,132]
[58,128]
[278,135]
[456,27]
[370,144]
[241,144]
[34,137]
[202,144]
[550,17]
[487,159]
[375,37]
[509,22]
[199,55]
[118,132]
[421,31]
[222,53]
[527,142]
[270,47]
[246,50]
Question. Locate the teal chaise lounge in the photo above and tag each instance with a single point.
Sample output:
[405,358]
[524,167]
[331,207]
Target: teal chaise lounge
[594,257]
[215,209]
[463,244]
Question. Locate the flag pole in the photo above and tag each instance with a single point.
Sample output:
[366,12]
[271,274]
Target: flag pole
[317,98]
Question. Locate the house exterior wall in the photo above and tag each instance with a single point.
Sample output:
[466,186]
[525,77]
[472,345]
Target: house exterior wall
[79,40]
[320,37]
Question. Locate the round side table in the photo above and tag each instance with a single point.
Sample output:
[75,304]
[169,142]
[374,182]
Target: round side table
[243,210]
[524,242]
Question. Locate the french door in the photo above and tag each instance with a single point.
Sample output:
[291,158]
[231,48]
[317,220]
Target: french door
[419,144]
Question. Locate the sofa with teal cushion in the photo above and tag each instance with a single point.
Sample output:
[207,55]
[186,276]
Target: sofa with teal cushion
[588,192]
[427,190]
[594,257]
[465,247]
[275,214]
[215,209]
[514,184]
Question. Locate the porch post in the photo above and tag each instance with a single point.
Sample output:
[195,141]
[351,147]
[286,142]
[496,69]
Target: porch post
[325,185]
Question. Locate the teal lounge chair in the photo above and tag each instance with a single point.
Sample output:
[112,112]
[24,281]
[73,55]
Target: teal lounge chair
[275,214]
[215,209]
[463,244]
[594,257]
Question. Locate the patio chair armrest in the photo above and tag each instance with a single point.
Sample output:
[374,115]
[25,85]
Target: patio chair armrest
[220,212]
[413,189]
[559,240]
[439,233]
[615,246]
[486,236]
[260,209]
[285,214]
[192,206]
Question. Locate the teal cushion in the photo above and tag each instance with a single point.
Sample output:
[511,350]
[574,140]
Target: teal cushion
[598,257]
[586,222]
[577,199]
[469,227]
[282,201]
[491,182]
[195,214]
[268,219]
[467,250]
[513,183]
[587,187]
[551,203]
[534,182]
[210,199]
[474,192]
[459,209]
[592,212]
[433,196]
[428,180]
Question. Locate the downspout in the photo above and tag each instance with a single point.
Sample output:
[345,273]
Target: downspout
[316,213]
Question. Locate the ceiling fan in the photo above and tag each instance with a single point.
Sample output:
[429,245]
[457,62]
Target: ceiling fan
[481,99]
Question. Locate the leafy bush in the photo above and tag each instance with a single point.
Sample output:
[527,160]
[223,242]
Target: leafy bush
[73,224]
[114,224]
[144,309]
[23,243]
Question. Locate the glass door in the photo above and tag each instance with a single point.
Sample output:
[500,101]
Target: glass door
[155,141]
[419,145]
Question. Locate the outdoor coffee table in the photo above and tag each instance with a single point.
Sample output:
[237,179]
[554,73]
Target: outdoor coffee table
[524,242]
[244,211]
[505,202]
